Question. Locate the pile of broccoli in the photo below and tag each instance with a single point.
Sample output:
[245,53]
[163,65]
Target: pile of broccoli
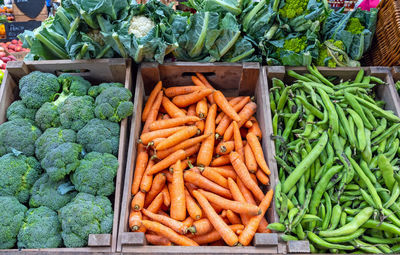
[58,161]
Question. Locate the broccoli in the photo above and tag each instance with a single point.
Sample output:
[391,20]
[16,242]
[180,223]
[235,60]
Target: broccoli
[75,85]
[100,135]
[94,91]
[114,104]
[95,175]
[20,135]
[76,112]
[296,44]
[62,160]
[293,8]
[12,214]
[18,110]
[47,116]
[38,88]
[41,229]
[18,173]
[85,214]
[324,56]
[52,138]
[354,26]
[45,192]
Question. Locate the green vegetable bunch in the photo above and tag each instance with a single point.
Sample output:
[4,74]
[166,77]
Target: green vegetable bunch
[293,8]
[354,26]
[297,44]
[325,58]
[12,214]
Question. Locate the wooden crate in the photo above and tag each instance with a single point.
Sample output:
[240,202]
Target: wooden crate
[233,80]
[396,73]
[21,17]
[96,71]
[384,92]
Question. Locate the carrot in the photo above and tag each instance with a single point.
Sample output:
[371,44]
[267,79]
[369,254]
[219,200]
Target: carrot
[178,202]
[215,177]
[192,208]
[250,159]
[159,116]
[255,129]
[258,152]
[233,217]
[168,174]
[232,102]
[244,175]
[138,201]
[207,85]
[150,136]
[147,180]
[141,163]
[226,121]
[200,125]
[177,226]
[188,222]
[225,147]
[156,203]
[198,82]
[189,152]
[205,183]
[254,177]
[245,114]
[172,109]
[235,206]
[223,213]
[226,233]
[135,220]
[220,161]
[207,146]
[152,116]
[180,90]
[249,231]
[221,101]
[183,145]
[222,171]
[168,161]
[248,124]
[166,196]
[214,235]
[156,142]
[174,122]
[194,97]
[178,137]
[156,188]
[263,178]
[238,196]
[201,227]
[238,141]
[151,100]
[168,233]
[202,108]
[158,240]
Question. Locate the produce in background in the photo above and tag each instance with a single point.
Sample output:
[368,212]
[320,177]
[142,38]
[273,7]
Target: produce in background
[337,153]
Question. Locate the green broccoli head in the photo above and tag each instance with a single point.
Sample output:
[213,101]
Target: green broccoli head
[54,195]
[62,160]
[73,84]
[100,135]
[12,214]
[48,115]
[40,229]
[325,58]
[94,91]
[114,104]
[95,175]
[76,112]
[20,135]
[18,173]
[37,88]
[296,44]
[293,8]
[354,26]
[18,110]
[85,214]
[52,138]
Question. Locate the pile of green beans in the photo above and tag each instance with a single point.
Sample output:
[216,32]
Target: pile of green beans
[337,153]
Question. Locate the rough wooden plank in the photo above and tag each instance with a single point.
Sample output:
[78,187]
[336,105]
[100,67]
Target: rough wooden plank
[250,76]
[200,250]
[261,239]
[396,73]
[133,239]
[99,240]
[298,247]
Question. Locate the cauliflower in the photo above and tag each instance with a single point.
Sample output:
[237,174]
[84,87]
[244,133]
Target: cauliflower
[140,26]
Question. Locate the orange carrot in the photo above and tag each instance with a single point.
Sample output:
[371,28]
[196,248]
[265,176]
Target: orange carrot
[246,192]
[255,129]
[220,161]
[188,222]
[250,159]
[244,175]
[248,124]
[221,101]
[156,203]
[232,102]
[222,171]
[223,213]
[178,202]
[226,121]
[214,235]
[166,196]
[168,161]
[180,90]
[147,180]
[205,183]
[226,233]
[174,122]
[258,152]
[233,217]
[207,85]
[192,207]
[235,206]
[183,145]
[186,100]
[168,233]
[207,146]
[262,177]
[135,220]
[152,116]
[215,177]
[202,108]
[138,201]
[151,100]
[178,137]
[245,114]
[187,162]
[249,231]
[254,177]
[156,188]
[150,136]
[158,240]
[156,142]
[177,226]
[198,82]
[238,141]
[168,174]
[172,109]
[200,125]
[225,147]
[201,227]
[238,196]
[141,163]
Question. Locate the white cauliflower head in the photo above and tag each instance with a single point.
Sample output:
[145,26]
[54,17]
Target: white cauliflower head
[140,26]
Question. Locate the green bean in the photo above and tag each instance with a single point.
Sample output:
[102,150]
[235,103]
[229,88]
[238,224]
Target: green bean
[314,71]
[336,212]
[356,85]
[381,147]
[367,152]
[365,247]
[368,199]
[391,153]
[283,99]
[309,125]
[276,227]
[277,83]
[272,102]
[384,226]
[310,107]
[301,190]
[283,164]
[300,232]
[377,80]
[370,117]
[377,240]
[360,76]
[304,208]
[390,215]
[317,85]
[351,129]
[275,121]
[352,187]
[289,125]
[328,163]
[388,115]
[325,120]
[310,218]
[366,79]
[287,238]
[346,238]
[379,130]
[351,211]
[357,108]
[291,192]
[297,76]
[327,218]
[333,116]
[362,143]
[321,242]
[396,248]
[321,214]
[352,193]
[387,171]
[312,78]
[384,248]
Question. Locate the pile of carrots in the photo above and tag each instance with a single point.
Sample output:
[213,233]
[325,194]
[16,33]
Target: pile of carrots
[198,169]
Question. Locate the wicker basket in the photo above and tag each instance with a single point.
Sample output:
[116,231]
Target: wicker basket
[385,49]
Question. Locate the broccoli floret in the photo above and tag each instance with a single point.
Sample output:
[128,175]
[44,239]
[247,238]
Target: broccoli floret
[54,195]
[100,135]
[52,138]
[12,214]
[94,91]
[296,44]
[76,112]
[85,214]
[18,110]
[325,59]
[48,116]
[75,85]
[18,173]
[114,104]
[95,175]
[354,26]
[41,229]
[20,135]
[293,8]
[62,160]
[38,88]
